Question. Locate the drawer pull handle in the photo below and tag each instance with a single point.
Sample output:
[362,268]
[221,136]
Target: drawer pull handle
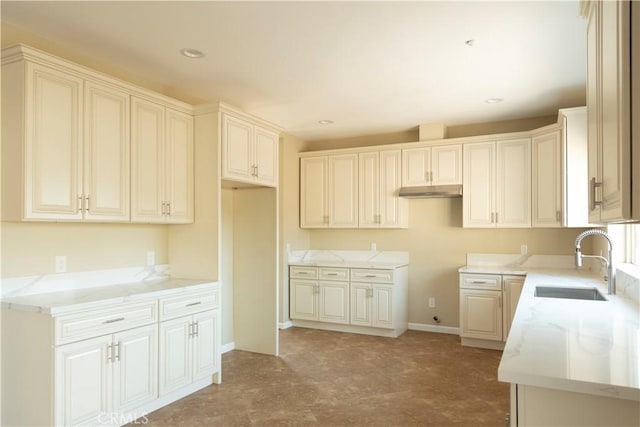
[119,319]
[479,281]
[302,272]
[194,303]
[370,275]
[332,274]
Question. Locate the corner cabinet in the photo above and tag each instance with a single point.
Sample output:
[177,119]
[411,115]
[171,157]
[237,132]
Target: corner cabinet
[249,152]
[497,184]
[161,164]
[112,363]
[487,305]
[366,301]
[612,192]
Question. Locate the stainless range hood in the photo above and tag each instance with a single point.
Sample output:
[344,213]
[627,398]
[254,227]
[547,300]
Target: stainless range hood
[431,191]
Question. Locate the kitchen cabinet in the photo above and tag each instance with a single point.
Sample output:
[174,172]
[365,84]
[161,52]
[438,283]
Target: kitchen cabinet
[611,190]
[87,360]
[249,152]
[432,165]
[487,305]
[65,148]
[114,373]
[368,301]
[379,181]
[161,164]
[538,406]
[547,179]
[329,191]
[497,184]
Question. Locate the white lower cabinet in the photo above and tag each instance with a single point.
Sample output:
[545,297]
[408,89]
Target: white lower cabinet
[487,305]
[114,373]
[108,365]
[188,350]
[356,300]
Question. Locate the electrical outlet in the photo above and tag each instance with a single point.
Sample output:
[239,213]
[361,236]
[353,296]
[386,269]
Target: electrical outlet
[432,302]
[61,264]
[151,258]
[523,249]
[374,247]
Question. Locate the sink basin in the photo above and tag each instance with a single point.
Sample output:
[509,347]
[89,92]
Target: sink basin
[571,293]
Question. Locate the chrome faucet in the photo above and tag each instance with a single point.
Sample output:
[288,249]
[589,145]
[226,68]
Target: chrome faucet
[578,256]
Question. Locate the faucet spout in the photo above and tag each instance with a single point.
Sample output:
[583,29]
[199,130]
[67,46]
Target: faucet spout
[608,261]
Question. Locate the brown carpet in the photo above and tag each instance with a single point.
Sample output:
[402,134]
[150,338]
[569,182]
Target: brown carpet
[336,379]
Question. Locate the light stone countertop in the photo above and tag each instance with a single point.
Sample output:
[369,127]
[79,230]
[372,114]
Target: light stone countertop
[581,346]
[350,264]
[66,301]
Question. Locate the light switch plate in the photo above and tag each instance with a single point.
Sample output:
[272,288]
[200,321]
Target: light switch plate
[151,258]
[61,264]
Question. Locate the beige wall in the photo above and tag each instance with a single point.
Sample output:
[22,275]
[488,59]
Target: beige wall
[30,248]
[226,266]
[290,232]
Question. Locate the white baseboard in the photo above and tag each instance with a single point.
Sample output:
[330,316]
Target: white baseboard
[285,325]
[227,347]
[434,328]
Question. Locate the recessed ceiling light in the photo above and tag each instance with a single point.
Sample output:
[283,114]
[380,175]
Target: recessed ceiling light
[470,42]
[493,100]
[325,122]
[191,53]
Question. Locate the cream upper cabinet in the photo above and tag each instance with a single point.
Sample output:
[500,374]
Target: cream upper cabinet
[249,152]
[379,181]
[161,164]
[437,165]
[328,191]
[546,185]
[497,184]
[609,112]
[65,148]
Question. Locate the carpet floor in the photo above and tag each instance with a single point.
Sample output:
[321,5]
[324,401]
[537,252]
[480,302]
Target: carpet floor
[337,379]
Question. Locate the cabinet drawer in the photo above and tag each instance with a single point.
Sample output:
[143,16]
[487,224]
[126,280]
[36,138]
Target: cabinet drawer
[481,281]
[185,305]
[371,276]
[299,272]
[330,273]
[89,324]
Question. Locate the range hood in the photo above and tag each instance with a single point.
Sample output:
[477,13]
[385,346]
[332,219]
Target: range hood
[431,191]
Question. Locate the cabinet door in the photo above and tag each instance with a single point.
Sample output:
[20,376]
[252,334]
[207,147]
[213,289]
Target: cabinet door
[83,381]
[175,358]
[135,370]
[343,191]
[334,302]
[514,183]
[369,190]
[53,150]
[382,308]
[205,344]
[511,294]
[147,161]
[392,210]
[178,167]
[481,314]
[106,153]
[314,209]
[304,299]
[446,165]
[237,146]
[478,200]
[361,303]
[266,157]
[614,57]
[415,166]
[547,180]
[594,137]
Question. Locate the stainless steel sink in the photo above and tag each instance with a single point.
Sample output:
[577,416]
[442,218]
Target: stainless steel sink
[570,293]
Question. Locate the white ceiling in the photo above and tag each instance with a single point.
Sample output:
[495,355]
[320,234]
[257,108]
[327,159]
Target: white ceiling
[371,67]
